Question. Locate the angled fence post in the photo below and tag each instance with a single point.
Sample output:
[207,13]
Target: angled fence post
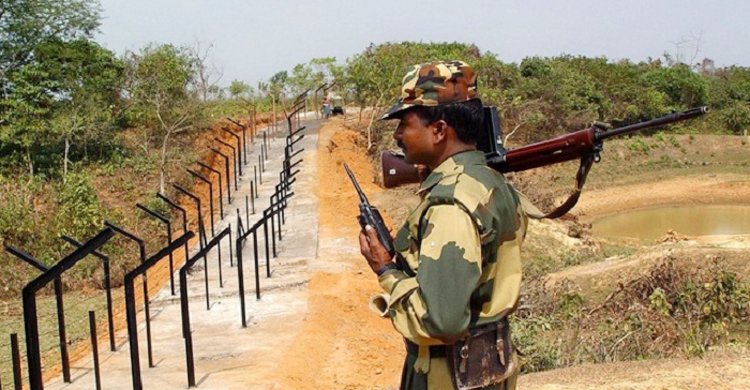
[30,320]
[135,364]
[107,286]
[185,303]
[239,148]
[163,219]
[146,299]
[221,195]
[226,170]
[201,236]
[234,159]
[244,137]
[210,195]
[63,344]
[211,210]
[184,218]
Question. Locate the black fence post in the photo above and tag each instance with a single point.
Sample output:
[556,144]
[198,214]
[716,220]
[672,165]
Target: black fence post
[244,137]
[239,148]
[210,196]
[260,164]
[184,218]
[255,179]
[135,364]
[16,358]
[221,195]
[58,287]
[226,169]
[185,304]
[146,299]
[107,286]
[163,219]
[95,350]
[30,319]
[240,278]
[201,236]
[234,159]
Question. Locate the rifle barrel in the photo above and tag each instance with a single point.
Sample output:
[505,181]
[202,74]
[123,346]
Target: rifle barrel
[662,120]
[361,194]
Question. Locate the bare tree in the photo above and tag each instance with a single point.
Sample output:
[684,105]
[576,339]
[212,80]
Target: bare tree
[207,74]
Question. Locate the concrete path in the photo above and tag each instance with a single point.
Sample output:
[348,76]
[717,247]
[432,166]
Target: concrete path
[225,353]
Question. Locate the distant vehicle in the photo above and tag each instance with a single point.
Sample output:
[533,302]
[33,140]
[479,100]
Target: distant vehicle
[338,105]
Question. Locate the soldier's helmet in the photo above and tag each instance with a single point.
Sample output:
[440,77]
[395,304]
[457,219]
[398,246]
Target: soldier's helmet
[434,84]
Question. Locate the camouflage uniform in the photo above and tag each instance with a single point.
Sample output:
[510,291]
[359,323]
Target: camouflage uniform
[458,252]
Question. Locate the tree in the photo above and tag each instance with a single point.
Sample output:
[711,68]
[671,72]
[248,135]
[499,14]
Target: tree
[24,24]
[238,88]
[88,80]
[29,89]
[162,103]
[206,74]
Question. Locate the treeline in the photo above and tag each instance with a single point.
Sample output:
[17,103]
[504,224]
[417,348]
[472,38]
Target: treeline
[543,96]
[64,98]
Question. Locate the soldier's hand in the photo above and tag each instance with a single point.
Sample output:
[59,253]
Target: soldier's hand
[374,252]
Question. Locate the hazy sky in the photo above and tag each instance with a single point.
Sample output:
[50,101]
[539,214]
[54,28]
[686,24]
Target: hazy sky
[252,40]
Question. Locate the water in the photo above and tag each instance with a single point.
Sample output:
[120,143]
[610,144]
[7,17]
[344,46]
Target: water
[653,223]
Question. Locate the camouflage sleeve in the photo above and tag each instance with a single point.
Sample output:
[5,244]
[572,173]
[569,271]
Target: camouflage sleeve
[433,307]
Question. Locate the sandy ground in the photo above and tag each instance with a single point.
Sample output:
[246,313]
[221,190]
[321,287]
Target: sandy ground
[699,189]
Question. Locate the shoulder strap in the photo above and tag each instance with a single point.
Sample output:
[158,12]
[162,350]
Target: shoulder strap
[583,171]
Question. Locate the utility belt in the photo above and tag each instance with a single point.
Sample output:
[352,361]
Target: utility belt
[483,358]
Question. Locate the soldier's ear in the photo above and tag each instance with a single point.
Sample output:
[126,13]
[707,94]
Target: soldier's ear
[439,130]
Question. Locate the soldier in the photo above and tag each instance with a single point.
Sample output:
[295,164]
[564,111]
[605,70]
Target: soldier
[456,273]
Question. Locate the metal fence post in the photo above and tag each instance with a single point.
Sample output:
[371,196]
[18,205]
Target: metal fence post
[226,169]
[146,299]
[165,221]
[107,286]
[234,159]
[58,288]
[31,325]
[95,350]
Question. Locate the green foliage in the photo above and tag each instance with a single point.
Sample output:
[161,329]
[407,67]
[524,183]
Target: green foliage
[238,88]
[61,90]
[680,84]
[80,213]
[25,24]
[158,80]
[638,144]
[16,212]
[374,76]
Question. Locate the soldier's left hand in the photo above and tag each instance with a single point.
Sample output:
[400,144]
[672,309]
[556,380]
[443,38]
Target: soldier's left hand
[374,252]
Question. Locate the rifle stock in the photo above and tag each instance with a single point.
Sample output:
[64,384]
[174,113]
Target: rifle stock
[585,143]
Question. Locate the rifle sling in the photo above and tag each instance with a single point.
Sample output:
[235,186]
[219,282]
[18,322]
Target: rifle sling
[583,171]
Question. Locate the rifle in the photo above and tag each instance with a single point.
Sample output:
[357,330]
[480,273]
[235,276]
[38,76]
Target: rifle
[369,215]
[585,144]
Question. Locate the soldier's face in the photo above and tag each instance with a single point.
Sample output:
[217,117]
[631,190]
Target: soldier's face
[415,139]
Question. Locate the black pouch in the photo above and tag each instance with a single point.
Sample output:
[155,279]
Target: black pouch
[483,358]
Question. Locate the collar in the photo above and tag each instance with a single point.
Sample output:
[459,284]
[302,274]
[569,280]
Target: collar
[450,167]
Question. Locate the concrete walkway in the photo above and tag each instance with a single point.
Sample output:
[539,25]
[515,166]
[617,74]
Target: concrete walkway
[225,353]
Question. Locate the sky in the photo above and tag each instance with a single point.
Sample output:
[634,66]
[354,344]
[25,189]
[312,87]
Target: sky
[252,40]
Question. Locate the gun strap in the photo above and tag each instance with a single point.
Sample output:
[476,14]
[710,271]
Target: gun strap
[583,171]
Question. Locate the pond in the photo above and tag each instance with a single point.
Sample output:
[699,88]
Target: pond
[654,223]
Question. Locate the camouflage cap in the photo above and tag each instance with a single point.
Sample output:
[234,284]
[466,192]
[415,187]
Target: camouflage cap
[433,84]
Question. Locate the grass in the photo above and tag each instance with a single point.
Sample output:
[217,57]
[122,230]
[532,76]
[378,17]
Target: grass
[76,307]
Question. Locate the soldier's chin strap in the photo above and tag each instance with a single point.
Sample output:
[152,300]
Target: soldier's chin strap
[583,171]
